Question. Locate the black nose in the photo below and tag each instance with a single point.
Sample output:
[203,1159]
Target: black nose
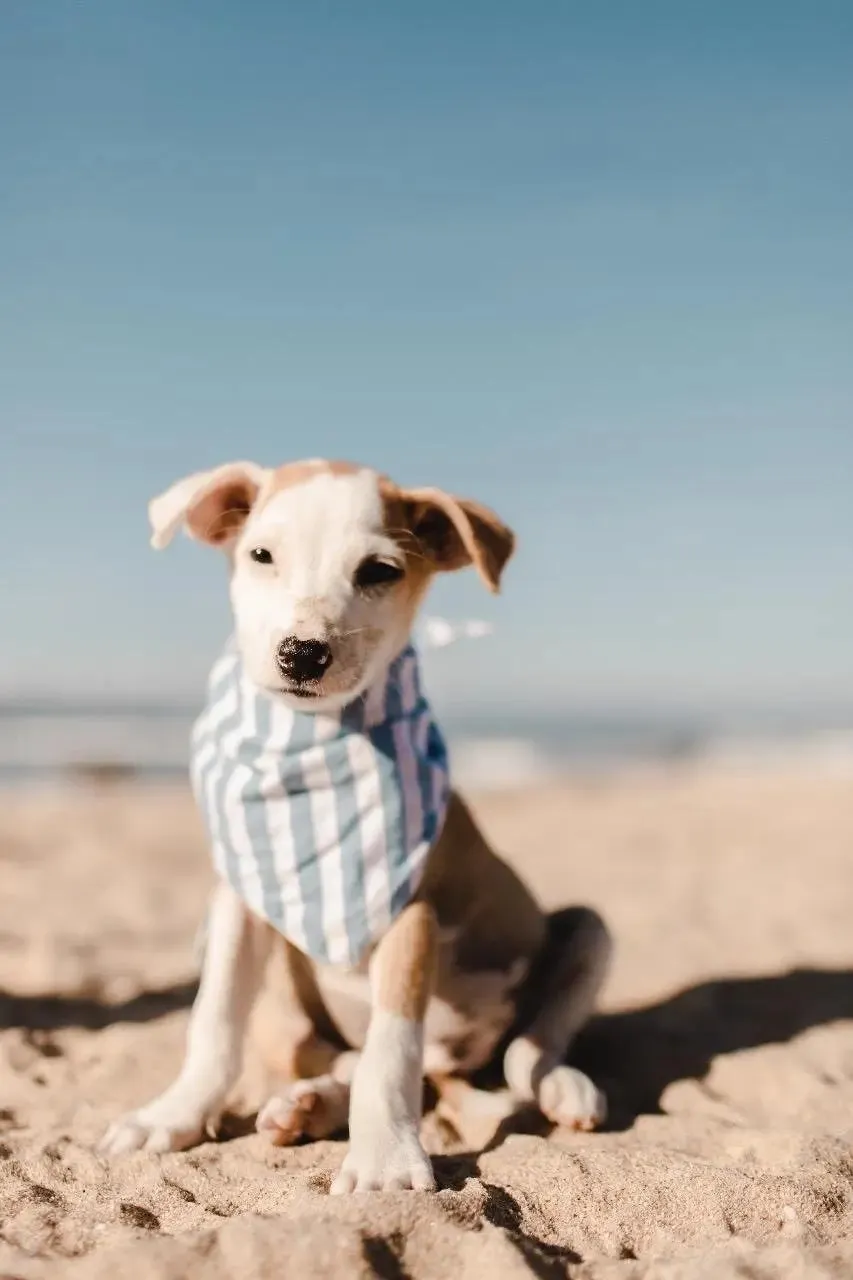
[303,659]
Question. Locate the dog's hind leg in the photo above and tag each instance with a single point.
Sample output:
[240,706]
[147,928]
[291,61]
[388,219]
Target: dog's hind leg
[307,1066]
[558,1000]
[475,1114]
[316,1107]
[235,956]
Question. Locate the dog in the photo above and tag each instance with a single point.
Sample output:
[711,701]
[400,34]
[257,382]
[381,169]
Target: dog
[422,954]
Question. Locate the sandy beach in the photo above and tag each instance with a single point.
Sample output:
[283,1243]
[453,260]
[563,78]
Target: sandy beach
[725,1044]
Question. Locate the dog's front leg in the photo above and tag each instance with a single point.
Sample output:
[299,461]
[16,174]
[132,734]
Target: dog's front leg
[235,954]
[387,1089]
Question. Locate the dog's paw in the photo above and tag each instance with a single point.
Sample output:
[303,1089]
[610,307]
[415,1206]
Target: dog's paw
[568,1098]
[159,1127]
[391,1159]
[306,1109]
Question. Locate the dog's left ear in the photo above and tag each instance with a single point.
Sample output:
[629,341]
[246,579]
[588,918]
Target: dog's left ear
[455,532]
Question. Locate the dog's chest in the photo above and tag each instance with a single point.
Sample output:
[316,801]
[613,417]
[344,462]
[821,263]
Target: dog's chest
[466,1018]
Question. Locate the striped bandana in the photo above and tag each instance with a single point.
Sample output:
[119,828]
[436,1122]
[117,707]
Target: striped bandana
[321,822]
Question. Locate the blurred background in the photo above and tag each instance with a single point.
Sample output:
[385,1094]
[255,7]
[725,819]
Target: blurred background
[588,264]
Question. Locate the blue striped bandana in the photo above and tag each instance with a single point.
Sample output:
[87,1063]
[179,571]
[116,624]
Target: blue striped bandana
[321,822]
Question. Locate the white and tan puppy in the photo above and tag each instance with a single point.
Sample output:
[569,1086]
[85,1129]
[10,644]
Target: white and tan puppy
[328,564]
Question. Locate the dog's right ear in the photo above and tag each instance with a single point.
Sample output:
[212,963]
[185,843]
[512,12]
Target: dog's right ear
[212,505]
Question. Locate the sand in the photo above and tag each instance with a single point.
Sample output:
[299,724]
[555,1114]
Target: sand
[725,1044]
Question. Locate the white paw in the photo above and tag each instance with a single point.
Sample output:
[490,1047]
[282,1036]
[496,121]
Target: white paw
[159,1127]
[391,1159]
[568,1098]
[305,1109]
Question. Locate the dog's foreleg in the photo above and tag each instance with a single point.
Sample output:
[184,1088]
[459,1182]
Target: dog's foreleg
[235,954]
[387,1089]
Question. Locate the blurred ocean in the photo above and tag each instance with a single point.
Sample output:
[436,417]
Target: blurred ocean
[43,740]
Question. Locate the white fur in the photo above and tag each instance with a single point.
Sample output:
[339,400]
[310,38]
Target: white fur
[314,1108]
[385,1111]
[233,964]
[318,532]
[563,1094]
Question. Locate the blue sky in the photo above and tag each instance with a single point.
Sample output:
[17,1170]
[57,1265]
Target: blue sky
[592,264]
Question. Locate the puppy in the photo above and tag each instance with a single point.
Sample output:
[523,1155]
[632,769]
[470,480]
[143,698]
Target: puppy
[362,931]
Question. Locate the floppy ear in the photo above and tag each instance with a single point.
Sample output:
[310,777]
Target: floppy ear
[455,532]
[212,505]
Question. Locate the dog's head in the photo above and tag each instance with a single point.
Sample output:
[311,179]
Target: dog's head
[329,563]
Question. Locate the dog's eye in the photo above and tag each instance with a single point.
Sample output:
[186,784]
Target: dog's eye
[260,555]
[374,572]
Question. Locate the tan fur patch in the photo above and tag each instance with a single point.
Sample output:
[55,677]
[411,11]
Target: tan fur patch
[403,967]
[293,473]
[438,532]
[220,514]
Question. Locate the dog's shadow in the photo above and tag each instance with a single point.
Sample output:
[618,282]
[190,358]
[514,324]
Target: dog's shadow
[636,1054]
[55,1013]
